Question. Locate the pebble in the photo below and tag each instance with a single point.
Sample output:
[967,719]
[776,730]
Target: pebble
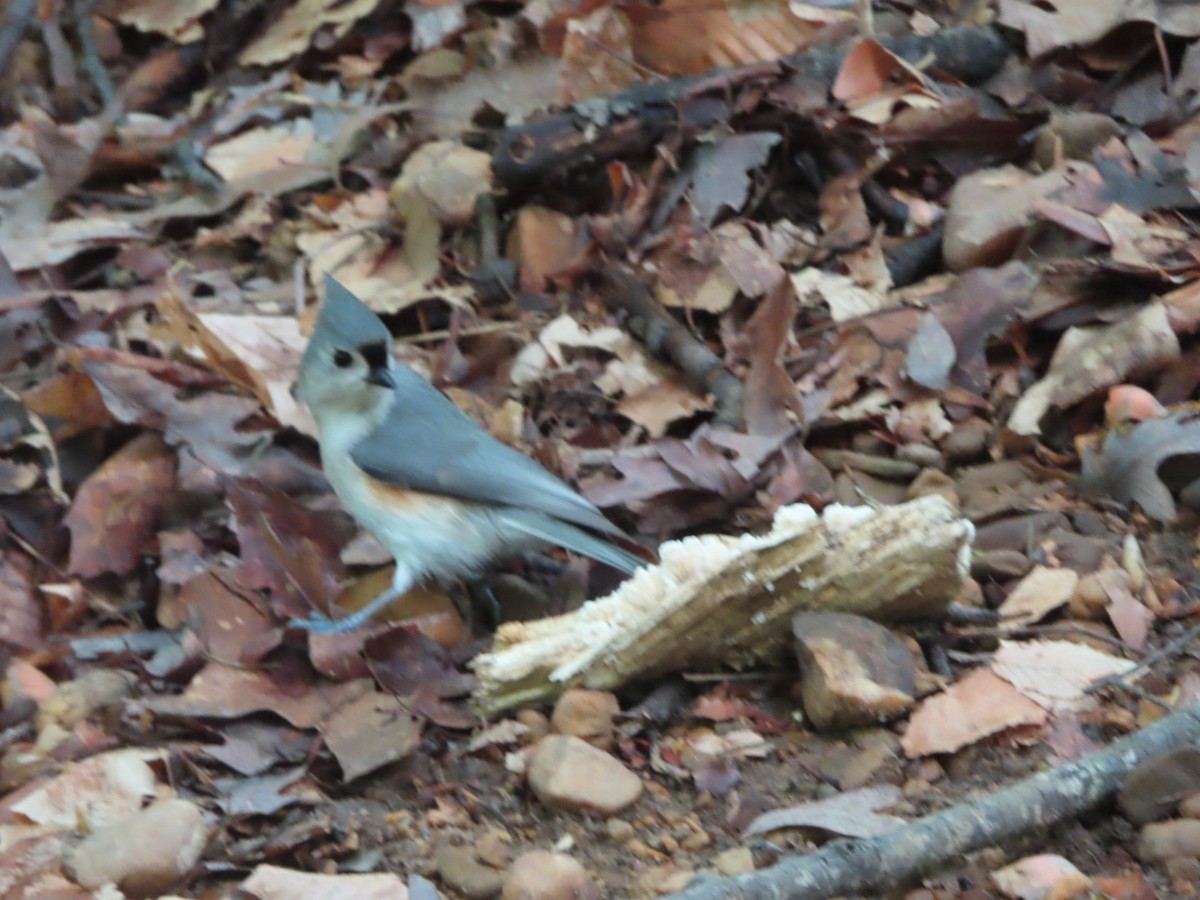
[144,853]
[586,714]
[619,830]
[1042,877]
[536,722]
[460,869]
[968,441]
[568,773]
[1163,840]
[494,849]
[542,875]
[735,861]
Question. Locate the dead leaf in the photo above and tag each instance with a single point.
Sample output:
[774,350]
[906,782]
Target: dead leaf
[1055,673]
[1036,595]
[979,705]
[1129,616]
[20,609]
[178,20]
[115,515]
[227,692]
[286,548]
[95,792]
[1126,468]
[597,56]
[931,354]
[1094,358]
[449,176]
[849,814]
[371,731]
[721,172]
[292,32]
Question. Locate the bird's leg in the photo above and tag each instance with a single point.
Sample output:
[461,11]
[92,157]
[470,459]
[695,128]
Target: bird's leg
[483,599]
[316,623]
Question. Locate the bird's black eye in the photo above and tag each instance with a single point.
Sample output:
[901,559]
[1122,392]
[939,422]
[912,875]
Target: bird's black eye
[342,359]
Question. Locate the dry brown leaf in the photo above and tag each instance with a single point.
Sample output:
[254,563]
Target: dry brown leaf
[1079,22]
[980,705]
[1055,673]
[682,37]
[178,20]
[1036,595]
[371,731]
[258,151]
[597,56]
[1090,359]
[292,32]
[1126,468]
[849,814]
[96,791]
[115,515]
[658,405]
[20,609]
[449,176]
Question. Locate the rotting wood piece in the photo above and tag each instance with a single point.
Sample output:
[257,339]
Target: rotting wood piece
[595,131]
[717,602]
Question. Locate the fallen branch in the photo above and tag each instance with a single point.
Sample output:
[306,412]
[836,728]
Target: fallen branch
[604,128]
[670,341]
[891,860]
[719,603]
[18,16]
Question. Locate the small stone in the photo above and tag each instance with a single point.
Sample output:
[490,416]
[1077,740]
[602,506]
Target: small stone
[1189,807]
[586,714]
[854,672]
[675,882]
[494,849]
[922,454]
[1163,840]
[735,861]
[999,565]
[1042,877]
[459,869]
[619,830]
[144,853]
[542,875]
[968,441]
[536,722]
[569,773]
[697,840]
[934,481]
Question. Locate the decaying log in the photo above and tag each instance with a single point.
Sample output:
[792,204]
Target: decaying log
[595,131]
[717,602]
[888,862]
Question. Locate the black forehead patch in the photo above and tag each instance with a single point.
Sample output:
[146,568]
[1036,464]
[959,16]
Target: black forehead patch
[375,353]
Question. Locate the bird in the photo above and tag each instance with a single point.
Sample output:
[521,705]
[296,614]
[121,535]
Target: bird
[443,496]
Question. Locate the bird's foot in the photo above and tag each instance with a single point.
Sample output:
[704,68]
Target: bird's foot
[317,623]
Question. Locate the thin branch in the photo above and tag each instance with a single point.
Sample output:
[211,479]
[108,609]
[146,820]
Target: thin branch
[891,860]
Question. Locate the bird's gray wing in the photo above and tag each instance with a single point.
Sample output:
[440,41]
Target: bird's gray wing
[428,444]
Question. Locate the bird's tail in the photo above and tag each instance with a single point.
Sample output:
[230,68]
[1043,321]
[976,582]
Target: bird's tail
[554,531]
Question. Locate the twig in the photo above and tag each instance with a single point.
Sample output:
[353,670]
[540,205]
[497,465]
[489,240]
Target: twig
[91,62]
[668,340]
[1158,655]
[17,19]
[888,861]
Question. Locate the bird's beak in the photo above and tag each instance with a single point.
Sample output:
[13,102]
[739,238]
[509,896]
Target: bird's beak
[381,377]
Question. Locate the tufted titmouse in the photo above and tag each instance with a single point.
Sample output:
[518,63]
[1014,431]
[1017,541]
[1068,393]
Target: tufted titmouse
[440,493]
